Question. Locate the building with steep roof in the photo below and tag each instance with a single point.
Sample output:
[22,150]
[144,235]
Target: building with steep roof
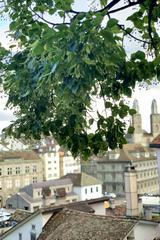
[41,194]
[110,168]
[17,169]
[84,185]
[76,225]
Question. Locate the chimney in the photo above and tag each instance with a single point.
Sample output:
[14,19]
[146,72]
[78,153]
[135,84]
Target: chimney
[130,176]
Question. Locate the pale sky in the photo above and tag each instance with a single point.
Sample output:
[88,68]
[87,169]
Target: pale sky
[143,95]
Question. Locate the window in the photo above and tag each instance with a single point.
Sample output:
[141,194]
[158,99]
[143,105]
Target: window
[49,168]
[26,208]
[0,171]
[33,227]
[18,170]
[49,162]
[33,236]
[17,183]
[91,190]
[9,184]
[9,171]
[20,236]
[34,168]
[85,190]
[34,179]
[96,189]
[26,169]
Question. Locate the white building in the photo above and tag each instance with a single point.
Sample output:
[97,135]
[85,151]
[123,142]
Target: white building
[68,164]
[56,161]
[86,186]
[29,228]
[48,152]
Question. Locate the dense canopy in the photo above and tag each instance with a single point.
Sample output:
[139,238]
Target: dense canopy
[67,58]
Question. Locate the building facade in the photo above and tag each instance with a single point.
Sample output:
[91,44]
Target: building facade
[110,168]
[85,186]
[18,169]
[56,161]
[43,194]
[28,228]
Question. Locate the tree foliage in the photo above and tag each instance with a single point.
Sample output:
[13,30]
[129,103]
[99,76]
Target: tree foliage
[67,58]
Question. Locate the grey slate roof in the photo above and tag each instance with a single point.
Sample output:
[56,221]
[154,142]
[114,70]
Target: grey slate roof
[76,225]
[82,179]
[56,182]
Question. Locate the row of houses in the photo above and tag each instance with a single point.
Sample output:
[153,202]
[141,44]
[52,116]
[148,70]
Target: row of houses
[70,188]
[19,168]
[110,168]
[79,221]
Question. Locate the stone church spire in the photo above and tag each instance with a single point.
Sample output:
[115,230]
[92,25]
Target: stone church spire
[154,109]
[136,105]
[155,119]
[136,119]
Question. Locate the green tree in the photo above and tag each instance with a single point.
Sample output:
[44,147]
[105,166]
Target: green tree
[63,64]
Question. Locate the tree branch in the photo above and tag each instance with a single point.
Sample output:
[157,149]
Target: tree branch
[131,4]
[131,35]
[45,20]
[150,31]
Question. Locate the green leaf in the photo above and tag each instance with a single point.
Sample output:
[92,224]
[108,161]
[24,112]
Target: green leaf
[131,130]
[37,47]
[132,111]
[112,22]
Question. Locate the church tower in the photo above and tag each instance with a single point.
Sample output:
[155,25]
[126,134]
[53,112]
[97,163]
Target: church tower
[155,119]
[136,119]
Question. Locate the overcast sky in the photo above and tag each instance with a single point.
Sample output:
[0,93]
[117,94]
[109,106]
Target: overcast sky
[143,95]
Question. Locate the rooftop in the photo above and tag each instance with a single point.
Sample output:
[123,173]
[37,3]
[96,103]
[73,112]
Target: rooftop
[76,225]
[19,215]
[56,182]
[26,155]
[82,179]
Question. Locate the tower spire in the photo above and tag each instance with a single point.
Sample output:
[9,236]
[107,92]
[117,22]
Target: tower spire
[136,105]
[154,109]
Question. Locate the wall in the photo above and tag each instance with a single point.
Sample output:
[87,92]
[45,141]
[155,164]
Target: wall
[17,202]
[26,229]
[11,183]
[146,230]
[50,165]
[88,192]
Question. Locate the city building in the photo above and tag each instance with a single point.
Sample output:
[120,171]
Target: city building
[47,150]
[110,168]
[85,186]
[68,164]
[43,194]
[29,227]
[140,135]
[71,224]
[17,169]
[56,161]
